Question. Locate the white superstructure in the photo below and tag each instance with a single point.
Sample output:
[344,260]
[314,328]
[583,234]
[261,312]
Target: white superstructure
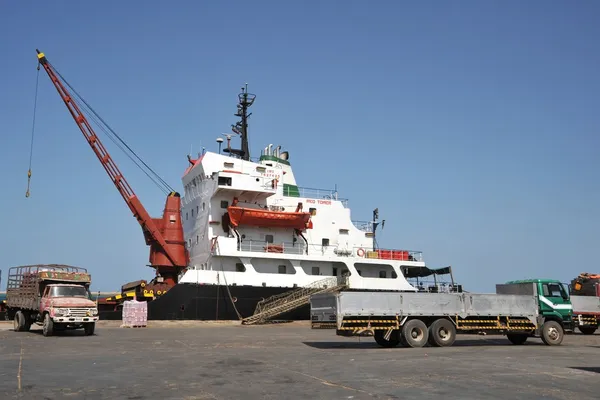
[278,256]
[247,223]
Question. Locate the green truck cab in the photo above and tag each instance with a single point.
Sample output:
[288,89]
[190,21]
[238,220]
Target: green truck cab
[554,301]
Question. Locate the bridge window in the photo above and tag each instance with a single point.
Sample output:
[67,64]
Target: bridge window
[382,274]
[269,238]
[316,271]
[282,269]
[224,180]
[239,267]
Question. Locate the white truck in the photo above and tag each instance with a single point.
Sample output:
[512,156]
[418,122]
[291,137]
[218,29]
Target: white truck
[517,310]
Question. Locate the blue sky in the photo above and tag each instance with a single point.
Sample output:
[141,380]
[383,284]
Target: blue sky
[472,126]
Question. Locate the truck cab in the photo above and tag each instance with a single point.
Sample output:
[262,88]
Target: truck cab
[553,299]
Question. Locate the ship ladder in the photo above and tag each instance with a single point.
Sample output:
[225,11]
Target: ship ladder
[279,304]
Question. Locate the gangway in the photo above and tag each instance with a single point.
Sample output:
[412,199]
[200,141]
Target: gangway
[288,301]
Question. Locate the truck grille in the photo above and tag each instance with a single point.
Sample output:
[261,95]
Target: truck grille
[79,312]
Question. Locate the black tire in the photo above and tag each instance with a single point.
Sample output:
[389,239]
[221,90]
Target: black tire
[588,330]
[552,333]
[19,322]
[89,327]
[517,338]
[442,333]
[415,333]
[48,327]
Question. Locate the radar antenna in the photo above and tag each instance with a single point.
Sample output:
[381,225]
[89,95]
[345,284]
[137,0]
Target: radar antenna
[245,100]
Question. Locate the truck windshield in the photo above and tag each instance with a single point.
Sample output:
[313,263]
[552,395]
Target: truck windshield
[68,291]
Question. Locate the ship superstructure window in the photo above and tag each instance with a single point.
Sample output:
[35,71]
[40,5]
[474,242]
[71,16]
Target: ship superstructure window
[192,213]
[325,242]
[269,238]
[316,271]
[239,267]
[282,269]
[225,180]
[382,274]
[197,239]
[186,216]
[394,275]
[224,204]
[344,231]
[196,210]
[312,211]
[203,206]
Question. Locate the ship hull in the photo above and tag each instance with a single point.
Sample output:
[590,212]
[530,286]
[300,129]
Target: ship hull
[209,303]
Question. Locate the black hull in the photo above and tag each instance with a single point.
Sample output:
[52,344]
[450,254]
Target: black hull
[209,303]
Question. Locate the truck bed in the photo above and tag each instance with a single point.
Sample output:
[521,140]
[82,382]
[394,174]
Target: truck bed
[586,305]
[337,306]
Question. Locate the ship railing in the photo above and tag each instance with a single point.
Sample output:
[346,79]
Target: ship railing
[264,247]
[312,193]
[389,254]
[365,226]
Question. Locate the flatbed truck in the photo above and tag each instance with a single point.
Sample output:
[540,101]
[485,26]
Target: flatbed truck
[519,310]
[54,296]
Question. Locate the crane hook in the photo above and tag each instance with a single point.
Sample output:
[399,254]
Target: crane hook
[28,182]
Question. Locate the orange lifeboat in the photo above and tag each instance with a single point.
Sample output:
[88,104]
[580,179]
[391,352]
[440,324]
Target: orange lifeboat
[269,219]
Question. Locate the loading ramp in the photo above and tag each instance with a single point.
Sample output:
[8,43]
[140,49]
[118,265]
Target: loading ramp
[280,304]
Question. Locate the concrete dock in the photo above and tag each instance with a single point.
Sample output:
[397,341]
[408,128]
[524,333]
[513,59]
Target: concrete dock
[189,360]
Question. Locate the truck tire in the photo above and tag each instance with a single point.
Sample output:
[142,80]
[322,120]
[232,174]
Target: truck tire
[89,327]
[588,330]
[552,333]
[19,321]
[415,333]
[442,333]
[517,338]
[48,327]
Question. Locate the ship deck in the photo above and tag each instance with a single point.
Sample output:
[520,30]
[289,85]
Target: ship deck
[192,360]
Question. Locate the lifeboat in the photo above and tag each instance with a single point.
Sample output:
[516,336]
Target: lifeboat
[269,219]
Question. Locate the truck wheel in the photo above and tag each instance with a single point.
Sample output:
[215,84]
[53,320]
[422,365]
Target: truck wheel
[89,328]
[48,327]
[19,322]
[517,338]
[442,333]
[552,333]
[588,330]
[415,333]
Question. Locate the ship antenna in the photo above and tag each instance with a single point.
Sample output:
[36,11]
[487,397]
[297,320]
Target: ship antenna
[245,101]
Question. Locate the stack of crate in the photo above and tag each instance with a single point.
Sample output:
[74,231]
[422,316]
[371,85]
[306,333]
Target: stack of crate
[135,314]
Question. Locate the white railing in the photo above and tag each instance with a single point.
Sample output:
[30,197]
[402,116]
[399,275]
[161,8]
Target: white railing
[318,194]
[264,247]
[365,226]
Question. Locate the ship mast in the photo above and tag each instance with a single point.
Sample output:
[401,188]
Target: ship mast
[245,100]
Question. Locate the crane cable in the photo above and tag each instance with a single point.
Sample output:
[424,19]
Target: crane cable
[37,81]
[106,128]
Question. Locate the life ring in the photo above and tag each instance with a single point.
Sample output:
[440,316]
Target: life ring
[360,252]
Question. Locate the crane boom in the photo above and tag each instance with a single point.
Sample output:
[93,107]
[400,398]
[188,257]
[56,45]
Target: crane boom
[164,235]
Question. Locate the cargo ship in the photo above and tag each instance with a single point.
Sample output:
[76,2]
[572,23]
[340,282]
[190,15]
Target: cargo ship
[252,232]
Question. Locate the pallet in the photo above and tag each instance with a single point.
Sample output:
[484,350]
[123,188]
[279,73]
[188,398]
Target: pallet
[134,326]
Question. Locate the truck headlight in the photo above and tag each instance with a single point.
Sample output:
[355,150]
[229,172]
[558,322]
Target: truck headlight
[60,312]
[94,312]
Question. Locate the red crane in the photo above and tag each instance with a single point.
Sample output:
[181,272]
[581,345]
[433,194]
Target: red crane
[168,253]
